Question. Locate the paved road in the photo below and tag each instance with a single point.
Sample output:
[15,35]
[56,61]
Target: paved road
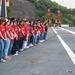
[48,58]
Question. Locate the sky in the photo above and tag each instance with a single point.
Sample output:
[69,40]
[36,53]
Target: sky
[66,3]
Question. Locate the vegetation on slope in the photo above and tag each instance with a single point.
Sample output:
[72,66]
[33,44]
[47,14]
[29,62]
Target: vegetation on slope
[68,15]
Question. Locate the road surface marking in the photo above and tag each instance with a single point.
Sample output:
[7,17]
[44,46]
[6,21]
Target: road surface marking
[54,30]
[67,48]
[68,30]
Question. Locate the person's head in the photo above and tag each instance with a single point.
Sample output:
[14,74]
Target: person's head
[38,24]
[39,21]
[35,25]
[32,22]
[41,24]
[24,22]
[7,23]
[15,23]
[11,23]
[3,21]
[24,19]
[27,23]
[59,11]
[18,22]
[47,24]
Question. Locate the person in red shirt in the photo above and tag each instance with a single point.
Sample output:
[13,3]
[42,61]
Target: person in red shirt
[3,37]
[24,34]
[11,39]
[27,29]
[38,36]
[7,42]
[46,30]
[16,39]
[35,32]
[20,34]
[31,35]
[42,30]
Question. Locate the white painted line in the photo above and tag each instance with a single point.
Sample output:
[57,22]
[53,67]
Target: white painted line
[54,30]
[67,48]
[68,30]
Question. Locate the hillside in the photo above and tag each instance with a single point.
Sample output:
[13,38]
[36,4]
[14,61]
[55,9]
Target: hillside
[33,9]
[68,15]
[24,9]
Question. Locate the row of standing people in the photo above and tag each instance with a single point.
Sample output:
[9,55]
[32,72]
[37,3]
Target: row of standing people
[17,36]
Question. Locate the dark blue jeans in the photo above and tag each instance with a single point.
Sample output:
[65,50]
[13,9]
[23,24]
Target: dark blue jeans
[38,38]
[34,39]
[28,40]
[45,35]
[10,48]
[6,46]
[1,48]
[42,36]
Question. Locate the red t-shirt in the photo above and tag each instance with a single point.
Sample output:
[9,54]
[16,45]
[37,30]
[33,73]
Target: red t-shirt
[16,30]
[46,28]
[19,27]
[25,37]
[38,28]
[23,29]
[24,32]
[3,31]
[35,30]
[12,30]
[27,29]
[42,29]
[8,28]
[20,32]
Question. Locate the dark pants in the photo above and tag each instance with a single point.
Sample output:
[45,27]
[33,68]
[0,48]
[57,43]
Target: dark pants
[15,46]
[45,35]
[31,39]
[28,40]
[38,38]
[20,42]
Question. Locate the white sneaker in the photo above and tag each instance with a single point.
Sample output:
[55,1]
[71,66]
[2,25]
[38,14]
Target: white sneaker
[40,41]
[16,53]
[21,50]
[46,39]
[2,60]
[31,45]
[43,40]
[27,46]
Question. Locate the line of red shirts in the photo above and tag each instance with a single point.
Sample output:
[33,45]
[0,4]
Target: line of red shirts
[23,31]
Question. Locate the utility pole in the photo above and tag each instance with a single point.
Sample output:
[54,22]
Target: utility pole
[3,9]
[0,6]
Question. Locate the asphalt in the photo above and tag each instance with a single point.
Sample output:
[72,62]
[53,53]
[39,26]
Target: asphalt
[47,58]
